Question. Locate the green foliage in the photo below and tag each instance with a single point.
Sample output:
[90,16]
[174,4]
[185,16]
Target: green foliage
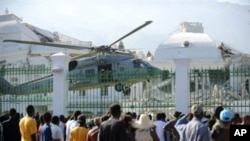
[149,54]
[165,75]
[219,75]
[121,45]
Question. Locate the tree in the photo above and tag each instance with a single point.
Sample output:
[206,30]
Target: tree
[121,45]
[149,54]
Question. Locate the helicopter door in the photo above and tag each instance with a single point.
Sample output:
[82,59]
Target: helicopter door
[105,73]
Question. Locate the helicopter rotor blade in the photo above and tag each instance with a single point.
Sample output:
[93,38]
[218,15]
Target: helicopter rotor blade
[84,55]
[50,44]
[131,32]
[93,49]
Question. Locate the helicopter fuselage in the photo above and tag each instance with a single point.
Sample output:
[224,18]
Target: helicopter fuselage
[120,71]
[111,70]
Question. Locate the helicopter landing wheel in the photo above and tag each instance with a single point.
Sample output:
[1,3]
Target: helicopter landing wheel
[118,87]
[126,90]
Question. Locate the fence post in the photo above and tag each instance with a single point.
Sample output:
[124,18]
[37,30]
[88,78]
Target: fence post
[182,83]
[60,85]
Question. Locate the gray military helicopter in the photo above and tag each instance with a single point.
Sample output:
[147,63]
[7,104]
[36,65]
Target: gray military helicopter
[107,66]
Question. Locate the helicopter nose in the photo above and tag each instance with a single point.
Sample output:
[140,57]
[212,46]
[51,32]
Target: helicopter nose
[153,70]
[150,70]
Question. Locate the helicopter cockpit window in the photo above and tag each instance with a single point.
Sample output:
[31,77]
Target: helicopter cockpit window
[145,63]
[137,64]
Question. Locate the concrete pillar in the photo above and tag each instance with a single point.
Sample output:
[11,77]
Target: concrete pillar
[60,84]
[182,98]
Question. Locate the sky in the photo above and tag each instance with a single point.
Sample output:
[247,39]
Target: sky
[104,21]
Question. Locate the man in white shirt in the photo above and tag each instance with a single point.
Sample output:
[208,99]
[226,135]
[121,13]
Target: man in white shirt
[57,133]
[72,122]
[160,123]
[62,122]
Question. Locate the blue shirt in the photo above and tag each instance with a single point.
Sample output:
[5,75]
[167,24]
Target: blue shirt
[180,125]
[46,134]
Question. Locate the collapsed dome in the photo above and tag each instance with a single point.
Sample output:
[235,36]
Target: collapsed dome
[190,42]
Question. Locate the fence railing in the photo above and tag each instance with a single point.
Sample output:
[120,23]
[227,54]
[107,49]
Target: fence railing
[226,87]
[33,85]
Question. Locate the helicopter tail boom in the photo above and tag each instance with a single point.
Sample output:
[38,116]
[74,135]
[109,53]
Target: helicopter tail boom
[5,85]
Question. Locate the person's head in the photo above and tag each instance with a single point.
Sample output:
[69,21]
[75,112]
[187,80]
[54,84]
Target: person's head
[190,116]
[128,113]
[76,114]
[62,118]
[41,120]
[158,116]
[246,120]
[97,121]
[134,115]
[81,119]
[55,120]
[104,118]
[163,116]
[12,113]
[47,117]
[127,119]
[236,119]
[115,110]
[217,111]
[30,110]
[236,115]
[226,116]
[90,124]
[206,114]
[177,114]
[197,111]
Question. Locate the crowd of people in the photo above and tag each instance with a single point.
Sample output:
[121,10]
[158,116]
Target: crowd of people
[197,125]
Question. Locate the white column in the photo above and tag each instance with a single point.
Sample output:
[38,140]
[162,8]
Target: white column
[182,83]
[60,84]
